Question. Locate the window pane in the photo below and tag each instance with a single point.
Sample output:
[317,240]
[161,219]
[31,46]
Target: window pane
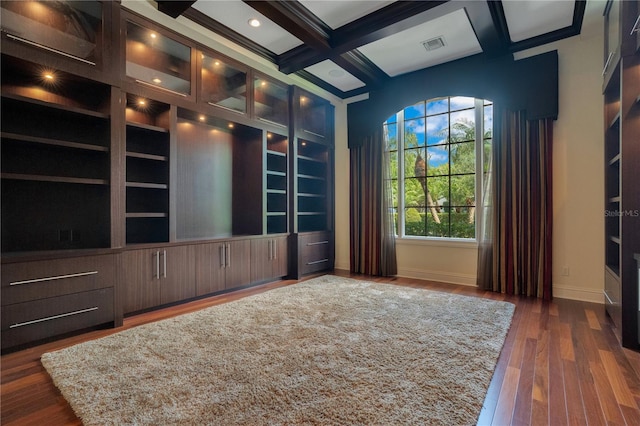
[414,111]
[463,157]
[414,221]
[463,222]
[488,121]
[437,129]
[437,224]
[487,154]
[414,193]
[463,190]
[438,160]
[463,126]
[438,191]
[392,158]
[461,102]
[392,119]
[393,186]
[437,106]
[391,136]
[414,164]
[414,133]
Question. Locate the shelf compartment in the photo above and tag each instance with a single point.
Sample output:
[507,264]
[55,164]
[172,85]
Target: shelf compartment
[50,122]
[142,230]
[310,222]
[77,215]
[144,170]
[276,201]
[144,200]
[53,162]
[276,224]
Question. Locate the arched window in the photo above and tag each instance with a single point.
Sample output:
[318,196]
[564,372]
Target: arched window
[435,149]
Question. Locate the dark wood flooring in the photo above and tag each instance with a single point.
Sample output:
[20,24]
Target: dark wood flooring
[561,365]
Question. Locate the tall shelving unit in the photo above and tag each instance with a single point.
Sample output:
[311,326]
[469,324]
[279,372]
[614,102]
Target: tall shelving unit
[147,170]
[55,158]
[621,90]
[312,164]
[276,184]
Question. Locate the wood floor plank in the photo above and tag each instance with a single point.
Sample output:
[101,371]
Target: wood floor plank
[559,360]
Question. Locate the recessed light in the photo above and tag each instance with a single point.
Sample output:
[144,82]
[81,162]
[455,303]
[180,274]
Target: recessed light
[157,80]
[142,102]
[153,35]
[231,125]
[48,76]
[254,22]
[201,118]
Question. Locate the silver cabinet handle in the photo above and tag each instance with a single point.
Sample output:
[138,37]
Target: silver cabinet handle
[157,256]
[317,261]
[275,249]
[270,249]
[636,27]
[318,243]
[57,277]
[164,263]
[223,261]
[68,314]
[228,255]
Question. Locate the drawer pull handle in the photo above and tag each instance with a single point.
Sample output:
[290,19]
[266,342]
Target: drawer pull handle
[68,314]
[317,261]
[318,243]
[636,27]
[57,277]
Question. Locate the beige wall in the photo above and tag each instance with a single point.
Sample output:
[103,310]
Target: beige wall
[578,188]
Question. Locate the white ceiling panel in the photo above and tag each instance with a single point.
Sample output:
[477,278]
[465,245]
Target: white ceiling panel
[531,18]
[331,73]
[404,52]
[236,14]
[336,13]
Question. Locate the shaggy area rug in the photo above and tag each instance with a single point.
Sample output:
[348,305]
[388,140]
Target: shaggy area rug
[330,350]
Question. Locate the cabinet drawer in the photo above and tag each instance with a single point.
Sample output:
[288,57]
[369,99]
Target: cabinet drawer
[315,252]
[22,282]
[31,321]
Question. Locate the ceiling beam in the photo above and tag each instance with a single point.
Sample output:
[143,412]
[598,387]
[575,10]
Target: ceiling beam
[390,19]
[173,8]
[296,19]
[490,25]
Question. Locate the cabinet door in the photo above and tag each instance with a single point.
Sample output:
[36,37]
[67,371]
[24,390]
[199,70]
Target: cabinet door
[177,266]
[141,285]
[261,259]
[279,261]
[238,263]
[209,268]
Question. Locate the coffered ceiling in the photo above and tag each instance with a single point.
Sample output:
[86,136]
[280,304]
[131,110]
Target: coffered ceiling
[351,47]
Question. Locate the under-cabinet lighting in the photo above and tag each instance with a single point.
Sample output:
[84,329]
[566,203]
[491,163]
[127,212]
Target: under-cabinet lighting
[303,143]
[303,99]
[254,22]
[153,35]
[157,80]
[268,135]
[216,63]
[48,76]
[201,118]
[142,102]
[231,125]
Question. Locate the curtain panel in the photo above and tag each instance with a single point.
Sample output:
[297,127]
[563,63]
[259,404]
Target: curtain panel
[372,239]
[515,249]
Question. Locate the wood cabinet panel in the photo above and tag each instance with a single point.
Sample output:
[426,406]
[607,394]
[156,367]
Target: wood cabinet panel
[222,265]
[268,258]
[26,281]
[238,271]
[39,319]
[315,252]
[153,277]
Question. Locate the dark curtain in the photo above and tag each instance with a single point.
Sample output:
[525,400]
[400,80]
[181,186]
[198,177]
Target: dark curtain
[372,239]
[514,255]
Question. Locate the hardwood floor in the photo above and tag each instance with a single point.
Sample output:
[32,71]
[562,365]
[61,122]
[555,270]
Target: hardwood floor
[560,365]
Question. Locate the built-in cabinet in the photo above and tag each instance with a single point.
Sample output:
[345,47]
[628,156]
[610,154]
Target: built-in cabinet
[142,169]
[622,161]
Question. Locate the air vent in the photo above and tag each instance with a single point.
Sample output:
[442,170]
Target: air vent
[434,43]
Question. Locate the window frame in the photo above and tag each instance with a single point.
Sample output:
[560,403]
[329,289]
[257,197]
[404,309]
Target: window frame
[401,237]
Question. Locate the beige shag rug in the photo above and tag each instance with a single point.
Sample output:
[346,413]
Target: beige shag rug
[330,350]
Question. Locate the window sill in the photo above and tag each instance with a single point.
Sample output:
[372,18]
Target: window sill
[437,242]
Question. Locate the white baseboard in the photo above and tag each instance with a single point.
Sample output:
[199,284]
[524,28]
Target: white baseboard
[440,276]
[577,293]
[559,291]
